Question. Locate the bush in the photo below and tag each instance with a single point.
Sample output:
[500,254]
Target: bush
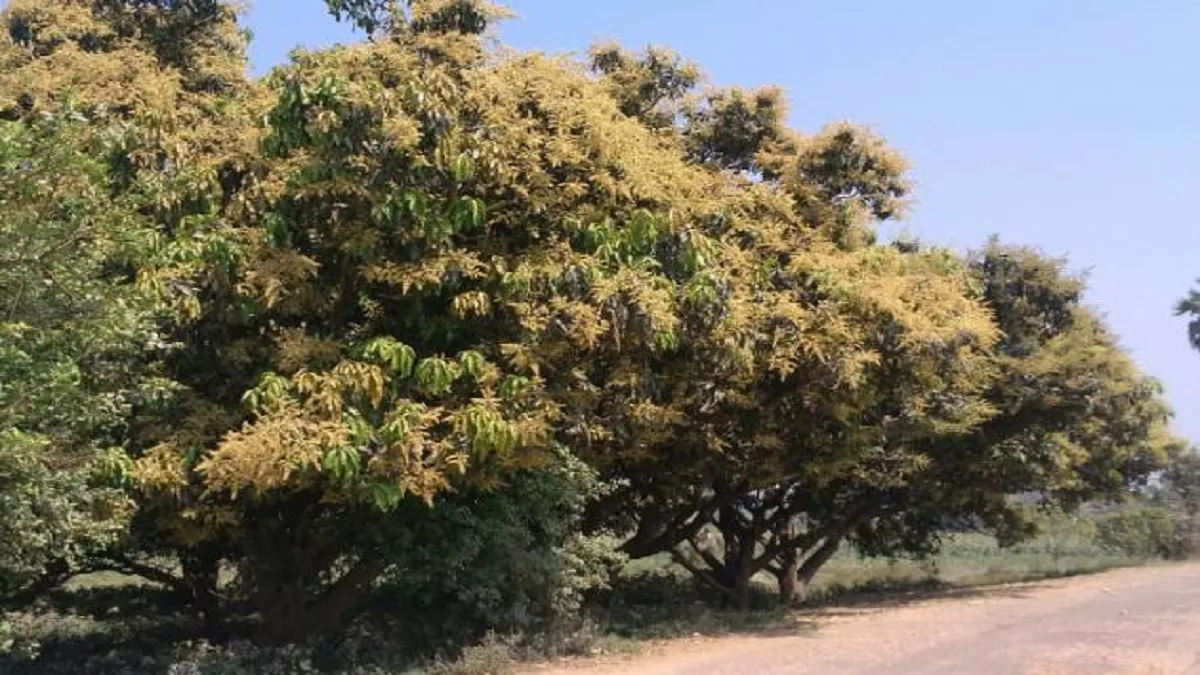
[493,656]
[509,560]
[1139,532]
[1180,494]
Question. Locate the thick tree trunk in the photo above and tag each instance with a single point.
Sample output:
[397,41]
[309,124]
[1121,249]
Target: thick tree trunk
[740,564]
[201,569]
[739,596]
[282,616]
[734,577]
[290,611]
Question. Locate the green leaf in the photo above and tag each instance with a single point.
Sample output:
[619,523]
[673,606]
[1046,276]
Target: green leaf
[388,351]
[343,463]
[468,213]
[513,386]
[472,363]
[384,496]
[435,376]
[463,167]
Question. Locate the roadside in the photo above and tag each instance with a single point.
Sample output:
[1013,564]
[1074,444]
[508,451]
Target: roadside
[656,605]
[1136,620]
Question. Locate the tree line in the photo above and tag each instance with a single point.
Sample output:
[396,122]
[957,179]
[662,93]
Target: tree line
[410,314]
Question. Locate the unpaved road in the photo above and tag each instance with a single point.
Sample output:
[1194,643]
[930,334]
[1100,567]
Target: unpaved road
[1128,621]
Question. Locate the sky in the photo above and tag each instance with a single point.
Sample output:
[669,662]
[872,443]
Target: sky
[1072,126]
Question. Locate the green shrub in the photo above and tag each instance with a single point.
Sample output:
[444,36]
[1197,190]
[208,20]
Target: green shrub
[1139,532]
[492,656]
[510,560]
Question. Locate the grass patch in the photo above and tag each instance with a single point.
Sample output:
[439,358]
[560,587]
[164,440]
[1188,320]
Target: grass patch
[971,560]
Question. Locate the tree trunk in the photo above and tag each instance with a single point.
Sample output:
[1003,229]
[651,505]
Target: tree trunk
[282,616]
[812,565]
[290,611]
[789,587]
[731,572]
[738,559]
[741,593]
[345,597]
[201,568]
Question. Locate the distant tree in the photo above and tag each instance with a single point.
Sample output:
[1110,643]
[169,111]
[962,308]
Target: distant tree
[1059,410]
[1072,417]
[1190,306]
[1181,489]
[1179,493]
[1142,532]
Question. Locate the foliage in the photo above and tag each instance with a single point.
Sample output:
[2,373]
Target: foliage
[511,560]
[1179,494]
[53,519]
[128,58]
[424,297]
[1145,532]
[1061,533]
[1190,306]
[378,290]
[1067,387]
[72,339]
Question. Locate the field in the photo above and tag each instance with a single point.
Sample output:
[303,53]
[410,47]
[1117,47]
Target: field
[970,560]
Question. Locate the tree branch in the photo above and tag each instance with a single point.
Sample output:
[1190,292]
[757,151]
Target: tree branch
[56,574]
[127,565]
[682,528]
[701,574]
[818,559]
[345,594]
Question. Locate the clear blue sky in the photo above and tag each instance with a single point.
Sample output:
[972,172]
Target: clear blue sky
[1071,125]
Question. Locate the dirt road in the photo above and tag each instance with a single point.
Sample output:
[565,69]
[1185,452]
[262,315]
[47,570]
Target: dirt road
[1128,621]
